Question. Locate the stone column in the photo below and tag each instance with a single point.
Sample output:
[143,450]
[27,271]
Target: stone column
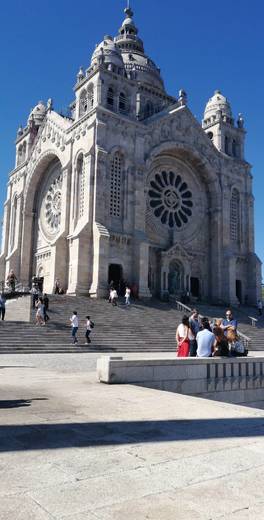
[232,281]
[27,260]
[101,237]
[143,289]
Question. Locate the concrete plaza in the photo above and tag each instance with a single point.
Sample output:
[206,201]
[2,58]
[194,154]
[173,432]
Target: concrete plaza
[71,448]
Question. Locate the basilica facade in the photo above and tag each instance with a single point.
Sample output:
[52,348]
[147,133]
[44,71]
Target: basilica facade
[131,186]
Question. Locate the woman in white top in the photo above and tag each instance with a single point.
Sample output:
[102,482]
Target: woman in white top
[40,312]
[183,336]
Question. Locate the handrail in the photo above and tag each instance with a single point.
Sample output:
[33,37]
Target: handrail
[254,321]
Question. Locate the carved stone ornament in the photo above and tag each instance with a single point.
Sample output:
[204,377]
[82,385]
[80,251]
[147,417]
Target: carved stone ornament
[51,202]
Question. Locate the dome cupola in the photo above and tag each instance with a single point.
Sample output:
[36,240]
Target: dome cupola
[218,105]
[108,53]
[38,113]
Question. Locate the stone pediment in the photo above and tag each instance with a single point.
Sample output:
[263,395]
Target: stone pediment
[181,128]
[176,251]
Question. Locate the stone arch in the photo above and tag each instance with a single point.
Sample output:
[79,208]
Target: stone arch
[190,156]
[35,174]
[56,245]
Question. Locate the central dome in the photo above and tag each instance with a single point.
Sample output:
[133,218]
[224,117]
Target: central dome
[138,66]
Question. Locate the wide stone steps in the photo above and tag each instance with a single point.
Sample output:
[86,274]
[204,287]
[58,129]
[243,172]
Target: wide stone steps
[143,327]
[139,328]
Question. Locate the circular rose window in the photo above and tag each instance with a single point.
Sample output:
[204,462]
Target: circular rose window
[53,205]
[50,202]
[170,199]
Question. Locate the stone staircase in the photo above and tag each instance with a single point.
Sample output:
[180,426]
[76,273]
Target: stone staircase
[142,327]
[139,328]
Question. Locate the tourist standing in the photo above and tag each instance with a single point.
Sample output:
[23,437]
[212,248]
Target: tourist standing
[89,327]
[113,297]
[195,327]
[183,338]
[229,323]
[11,280]
[75,325]
[46,307]
[2,306]
[127,295]
[205,339]
[57,286]
[40,312]
[35,296]
[260,307]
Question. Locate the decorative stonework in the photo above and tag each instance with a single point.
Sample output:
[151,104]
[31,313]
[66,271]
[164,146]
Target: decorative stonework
[170,199]
[51,203]
[53,206]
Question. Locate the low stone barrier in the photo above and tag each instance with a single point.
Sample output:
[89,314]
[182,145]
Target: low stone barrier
[235,380]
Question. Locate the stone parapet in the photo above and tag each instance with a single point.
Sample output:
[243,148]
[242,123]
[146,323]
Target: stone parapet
[236,380]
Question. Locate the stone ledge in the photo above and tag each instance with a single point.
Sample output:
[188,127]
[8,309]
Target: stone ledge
[226,379]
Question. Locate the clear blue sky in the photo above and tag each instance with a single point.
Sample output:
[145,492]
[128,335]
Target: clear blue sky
[199,45]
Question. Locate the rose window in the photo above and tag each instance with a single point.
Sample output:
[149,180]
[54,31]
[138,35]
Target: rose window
[52,205]
[170,199]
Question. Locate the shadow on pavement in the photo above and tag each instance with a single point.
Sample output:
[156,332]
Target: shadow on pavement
[69,435]
[17,403]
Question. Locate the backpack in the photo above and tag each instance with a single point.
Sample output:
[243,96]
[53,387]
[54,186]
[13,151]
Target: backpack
[91,324]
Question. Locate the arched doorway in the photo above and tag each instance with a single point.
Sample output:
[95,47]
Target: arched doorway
[176,278]
[195,287]
[115,275]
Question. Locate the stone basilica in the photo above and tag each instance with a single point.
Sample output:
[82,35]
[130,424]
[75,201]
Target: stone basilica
[131,186]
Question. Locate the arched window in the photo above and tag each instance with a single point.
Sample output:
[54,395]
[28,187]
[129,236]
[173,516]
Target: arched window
[110,98]
[20,155]
[235,216]
[226,145]
[24,151]
[234,148]
[80,187]
[115,185]
[90,96]
[83,103]
[210,135]
[122,103]
[13,223]
[149,109]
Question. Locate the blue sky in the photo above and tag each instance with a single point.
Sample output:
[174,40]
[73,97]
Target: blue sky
[200,46]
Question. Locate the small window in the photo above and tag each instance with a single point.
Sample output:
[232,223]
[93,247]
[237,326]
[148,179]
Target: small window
[122,103]
[149,109]
[110,97]
[235,216]
[115,185]
[83,103]
[210,135]
[90,97]
[80,187]
[226,145]
[234,148]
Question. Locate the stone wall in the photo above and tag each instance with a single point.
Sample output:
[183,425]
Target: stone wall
[235,380]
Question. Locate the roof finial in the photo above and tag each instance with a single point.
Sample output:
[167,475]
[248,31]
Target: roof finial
[128,11]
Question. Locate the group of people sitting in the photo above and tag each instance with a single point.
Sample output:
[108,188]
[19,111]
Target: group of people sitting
[198,337]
